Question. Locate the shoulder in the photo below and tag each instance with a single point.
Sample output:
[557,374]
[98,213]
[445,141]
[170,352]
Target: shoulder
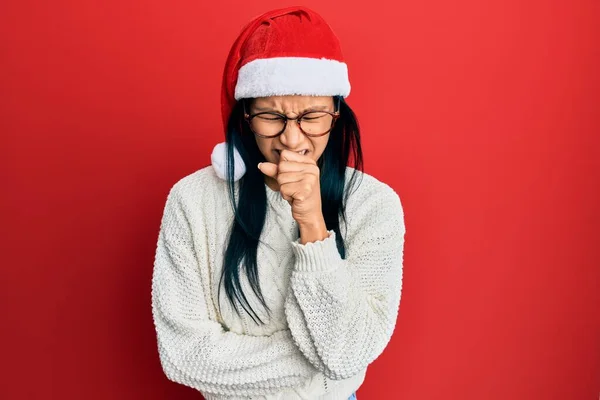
[367,192]
[200,188]
[198,182]
[373,208]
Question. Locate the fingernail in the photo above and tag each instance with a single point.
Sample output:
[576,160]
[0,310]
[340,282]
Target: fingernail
[259,165]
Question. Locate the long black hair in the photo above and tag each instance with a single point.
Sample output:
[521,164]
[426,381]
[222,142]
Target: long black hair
[343,149]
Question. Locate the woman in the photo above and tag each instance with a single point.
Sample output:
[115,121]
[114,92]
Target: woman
[278,268]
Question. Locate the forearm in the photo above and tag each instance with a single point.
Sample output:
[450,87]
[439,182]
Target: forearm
[225,363]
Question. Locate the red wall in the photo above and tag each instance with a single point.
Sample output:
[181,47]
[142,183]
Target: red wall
[483,115]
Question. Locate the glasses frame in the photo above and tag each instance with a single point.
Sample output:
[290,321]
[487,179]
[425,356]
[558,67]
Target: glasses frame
[335,114]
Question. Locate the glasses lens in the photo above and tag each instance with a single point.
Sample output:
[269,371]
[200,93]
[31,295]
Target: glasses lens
[316,123]
[267,124]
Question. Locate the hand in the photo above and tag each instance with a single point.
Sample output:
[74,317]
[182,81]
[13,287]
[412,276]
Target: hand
[298,177]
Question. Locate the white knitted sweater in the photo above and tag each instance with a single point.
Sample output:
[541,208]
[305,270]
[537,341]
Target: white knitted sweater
[330,317]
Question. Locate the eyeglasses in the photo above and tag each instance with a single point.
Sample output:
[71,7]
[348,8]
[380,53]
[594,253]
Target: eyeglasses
[312,123]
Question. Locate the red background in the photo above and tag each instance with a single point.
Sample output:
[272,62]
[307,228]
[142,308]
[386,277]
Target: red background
[483,115]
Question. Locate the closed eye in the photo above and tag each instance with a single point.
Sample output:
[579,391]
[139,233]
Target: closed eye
[270,117]
[311,116]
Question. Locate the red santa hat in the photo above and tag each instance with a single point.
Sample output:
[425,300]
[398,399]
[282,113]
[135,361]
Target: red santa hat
[288,51]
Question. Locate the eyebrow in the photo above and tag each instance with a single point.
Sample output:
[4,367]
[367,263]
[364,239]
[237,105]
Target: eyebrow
[316,107]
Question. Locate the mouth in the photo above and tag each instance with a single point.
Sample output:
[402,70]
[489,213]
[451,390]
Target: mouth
[301,152]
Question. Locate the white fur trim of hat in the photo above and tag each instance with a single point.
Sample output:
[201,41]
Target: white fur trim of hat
[219,162]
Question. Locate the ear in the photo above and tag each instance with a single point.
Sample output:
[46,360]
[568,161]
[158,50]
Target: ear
[219,162]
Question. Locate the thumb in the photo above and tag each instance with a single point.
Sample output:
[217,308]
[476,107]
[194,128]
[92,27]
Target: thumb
[269,169]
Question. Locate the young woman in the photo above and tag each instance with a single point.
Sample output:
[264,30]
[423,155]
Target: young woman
[278,268]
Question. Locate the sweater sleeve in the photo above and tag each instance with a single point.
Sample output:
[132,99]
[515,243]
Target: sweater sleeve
[342,313]
[196,351]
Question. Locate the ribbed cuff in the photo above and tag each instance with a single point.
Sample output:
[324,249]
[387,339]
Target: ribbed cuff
[321,255]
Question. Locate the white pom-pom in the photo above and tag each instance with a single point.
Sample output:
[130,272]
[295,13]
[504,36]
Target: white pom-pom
[219,162]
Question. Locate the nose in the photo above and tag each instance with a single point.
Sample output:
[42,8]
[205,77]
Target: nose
[292,136]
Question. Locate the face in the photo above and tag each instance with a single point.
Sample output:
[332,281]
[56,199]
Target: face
[292,138]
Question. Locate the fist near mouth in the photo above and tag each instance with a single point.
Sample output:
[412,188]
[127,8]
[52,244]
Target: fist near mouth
[298,177]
